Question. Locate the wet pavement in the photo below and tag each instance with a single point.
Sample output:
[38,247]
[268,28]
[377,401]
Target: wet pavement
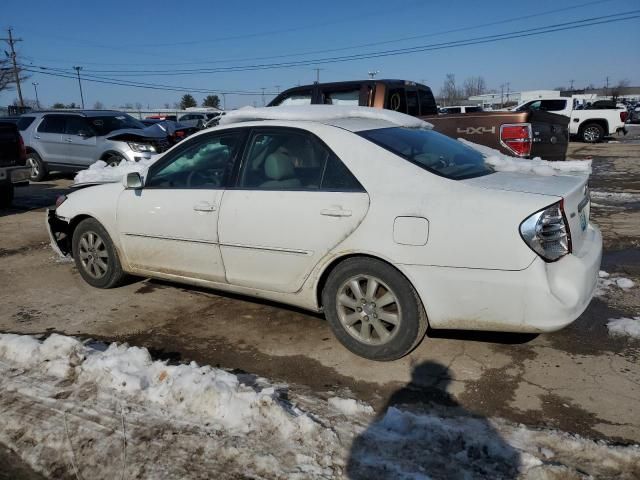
[580,379]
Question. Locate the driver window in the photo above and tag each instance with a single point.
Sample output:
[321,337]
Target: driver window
[204,164]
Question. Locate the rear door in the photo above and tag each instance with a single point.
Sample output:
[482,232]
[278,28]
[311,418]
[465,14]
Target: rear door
[82,141]
[49,139]
[294,201]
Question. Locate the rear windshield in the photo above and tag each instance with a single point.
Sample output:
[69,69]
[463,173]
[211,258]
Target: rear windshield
[432,151]
[105,124]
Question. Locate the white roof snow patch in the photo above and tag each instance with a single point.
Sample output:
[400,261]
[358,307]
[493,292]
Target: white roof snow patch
[322,114]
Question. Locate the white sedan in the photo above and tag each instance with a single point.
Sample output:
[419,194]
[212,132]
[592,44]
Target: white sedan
[381,223]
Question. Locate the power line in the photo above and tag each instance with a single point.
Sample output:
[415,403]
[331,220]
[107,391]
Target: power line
[401,51]
[12,41]
[356,46]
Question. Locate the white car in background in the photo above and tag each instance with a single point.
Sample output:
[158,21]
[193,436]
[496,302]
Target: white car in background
[367,215]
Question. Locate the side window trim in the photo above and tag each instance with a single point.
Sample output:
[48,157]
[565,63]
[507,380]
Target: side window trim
[186,145]
[44,119]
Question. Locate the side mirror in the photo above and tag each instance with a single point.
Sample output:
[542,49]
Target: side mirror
[132,180]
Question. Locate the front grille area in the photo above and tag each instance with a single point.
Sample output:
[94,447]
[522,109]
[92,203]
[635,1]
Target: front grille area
[161,145]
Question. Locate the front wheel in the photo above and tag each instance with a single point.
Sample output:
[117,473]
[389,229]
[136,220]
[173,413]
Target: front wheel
[373,310]
[95,255]
[592,133]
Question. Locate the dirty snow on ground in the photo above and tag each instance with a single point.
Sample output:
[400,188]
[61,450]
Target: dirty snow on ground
[101,172]
[607,199]
[607,281]
[321,113]
[505,163]
[629,327]
[85,410]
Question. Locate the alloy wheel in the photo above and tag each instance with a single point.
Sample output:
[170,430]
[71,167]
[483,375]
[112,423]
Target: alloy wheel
[94,256]
[33,165]
[591,134]
[368,310]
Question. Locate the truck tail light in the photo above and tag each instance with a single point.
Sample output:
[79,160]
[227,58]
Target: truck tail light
[517,138]
[624,116]
[23,150]
[546,232]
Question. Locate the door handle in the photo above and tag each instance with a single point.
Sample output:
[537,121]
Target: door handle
[36,137]
[69,140]
[204,207]
[335,212]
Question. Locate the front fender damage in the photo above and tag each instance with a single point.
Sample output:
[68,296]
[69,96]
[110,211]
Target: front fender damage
[59,234]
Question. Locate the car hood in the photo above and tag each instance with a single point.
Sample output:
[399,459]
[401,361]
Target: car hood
[152,132]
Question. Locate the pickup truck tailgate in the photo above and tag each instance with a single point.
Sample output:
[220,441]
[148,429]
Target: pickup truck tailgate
[550,135]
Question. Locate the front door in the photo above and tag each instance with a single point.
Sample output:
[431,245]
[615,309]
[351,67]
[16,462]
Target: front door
[170,225]
[294,202]
[81,140]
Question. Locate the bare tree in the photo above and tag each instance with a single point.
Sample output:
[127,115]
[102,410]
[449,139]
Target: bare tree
[450,93]
[98,105]
[7,76]
[616,91]
[474,86]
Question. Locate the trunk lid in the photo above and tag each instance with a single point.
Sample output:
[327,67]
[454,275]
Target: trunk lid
[572,189]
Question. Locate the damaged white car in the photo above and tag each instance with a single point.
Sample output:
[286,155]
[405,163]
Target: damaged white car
[367,215]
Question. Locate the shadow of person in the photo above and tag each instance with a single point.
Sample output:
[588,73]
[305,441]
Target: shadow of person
[423,432]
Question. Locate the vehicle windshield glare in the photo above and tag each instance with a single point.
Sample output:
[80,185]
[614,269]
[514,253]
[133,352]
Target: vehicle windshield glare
[104,125]
[432,151]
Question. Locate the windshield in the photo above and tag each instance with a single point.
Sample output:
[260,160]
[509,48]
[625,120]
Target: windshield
[104,124]
[432,151]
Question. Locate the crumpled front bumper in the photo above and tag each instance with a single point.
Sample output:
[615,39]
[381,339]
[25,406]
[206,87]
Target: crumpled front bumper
[58,230]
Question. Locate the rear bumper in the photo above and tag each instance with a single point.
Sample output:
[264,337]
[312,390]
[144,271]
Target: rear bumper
[15,175]
[543,297]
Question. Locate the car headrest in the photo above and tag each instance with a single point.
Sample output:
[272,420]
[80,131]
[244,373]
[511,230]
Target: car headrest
[278,166]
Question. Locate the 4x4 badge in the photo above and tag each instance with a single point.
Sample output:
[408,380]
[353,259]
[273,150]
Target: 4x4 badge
[476,130]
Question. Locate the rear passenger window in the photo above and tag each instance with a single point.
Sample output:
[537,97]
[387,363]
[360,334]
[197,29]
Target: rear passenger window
[552,105]
[297,98]
[52,124]
[293,160]
[344,97]
[427,102]
[24,122]
[396,100]
[412,102]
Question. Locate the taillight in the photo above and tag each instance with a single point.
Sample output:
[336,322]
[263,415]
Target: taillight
[517,137]
[23,150]
[624,116]
[546,232]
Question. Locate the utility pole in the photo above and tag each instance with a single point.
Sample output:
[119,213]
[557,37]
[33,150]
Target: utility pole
[317,70]
[12,41]
[35,87]
[571,87]
[263,102]
[224,101]
[372,73]
[606,88]
[77,69]
[502,96]
[277,89]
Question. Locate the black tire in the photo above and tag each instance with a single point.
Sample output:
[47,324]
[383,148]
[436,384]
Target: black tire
[6,194]
[592,133]
[38,169]
[113,159]
[403,337]
[113,274]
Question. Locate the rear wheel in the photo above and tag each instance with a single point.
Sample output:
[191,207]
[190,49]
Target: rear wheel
[95,255]
[373,309]
[592,133]
[38,170]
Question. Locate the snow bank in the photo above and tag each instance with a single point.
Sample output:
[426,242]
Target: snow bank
[504,163]
[101,172]
[321,113]
[72,409]
[624,327]
[606,282]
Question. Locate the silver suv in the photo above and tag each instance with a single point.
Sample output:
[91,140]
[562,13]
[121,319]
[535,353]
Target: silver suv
[71,141]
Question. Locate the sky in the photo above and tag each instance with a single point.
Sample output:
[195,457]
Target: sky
[162,43]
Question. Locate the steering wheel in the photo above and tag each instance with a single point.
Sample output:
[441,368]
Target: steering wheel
[201,177]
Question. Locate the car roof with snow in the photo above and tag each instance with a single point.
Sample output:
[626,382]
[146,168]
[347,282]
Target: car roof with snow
[350,118]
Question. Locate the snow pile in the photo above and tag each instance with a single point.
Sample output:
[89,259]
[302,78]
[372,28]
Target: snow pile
[349,406]
[606,281]
[101,172]
[70,409]
[321,113]
[504,163]
[624,327]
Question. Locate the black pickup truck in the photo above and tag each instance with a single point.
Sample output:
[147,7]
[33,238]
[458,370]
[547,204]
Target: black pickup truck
[13,156]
